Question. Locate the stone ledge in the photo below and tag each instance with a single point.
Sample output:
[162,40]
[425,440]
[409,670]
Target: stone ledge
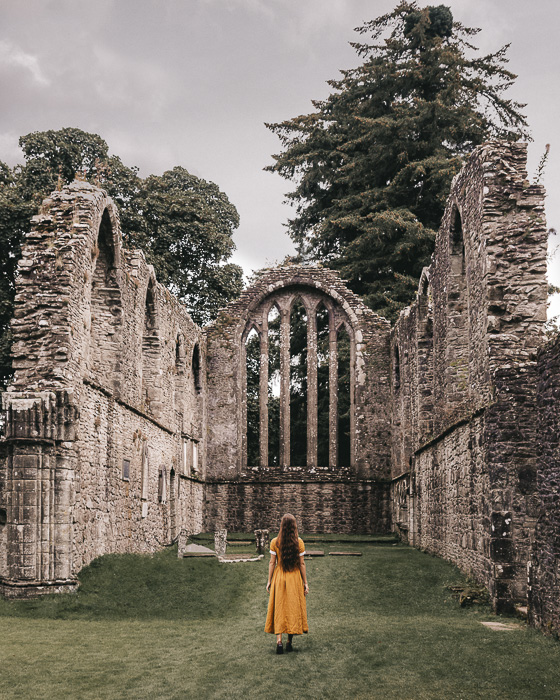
[34,589]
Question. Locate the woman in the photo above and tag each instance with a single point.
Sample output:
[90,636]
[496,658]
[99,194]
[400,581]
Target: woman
[287,583]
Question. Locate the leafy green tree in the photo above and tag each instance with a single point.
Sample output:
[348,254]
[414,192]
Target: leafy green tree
[183,223]
[372,165]
[187,235]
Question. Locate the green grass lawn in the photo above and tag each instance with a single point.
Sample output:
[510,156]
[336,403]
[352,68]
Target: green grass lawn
[383,625]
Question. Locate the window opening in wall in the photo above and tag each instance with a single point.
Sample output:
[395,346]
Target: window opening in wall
[145,471]
[3,517]
[172,504]
[197,379]
[179,380]
[150,348]
[456,239]
[457,383]
[253,360]
[396,367]
[126,469]
[105,302]
[162,485]
[195,457]
[186,456]
[274,386]
[323,395]
[298,385]
[344,402]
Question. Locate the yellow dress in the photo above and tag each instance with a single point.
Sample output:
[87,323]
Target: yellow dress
[287,612]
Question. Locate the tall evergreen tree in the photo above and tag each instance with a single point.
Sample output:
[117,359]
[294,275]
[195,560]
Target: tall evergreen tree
[372,165]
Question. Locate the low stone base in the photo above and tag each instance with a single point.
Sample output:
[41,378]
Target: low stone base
[34,589]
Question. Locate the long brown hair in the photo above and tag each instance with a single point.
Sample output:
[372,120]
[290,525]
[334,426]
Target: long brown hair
[288,543]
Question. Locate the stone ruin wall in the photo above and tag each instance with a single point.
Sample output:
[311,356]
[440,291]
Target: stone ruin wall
[464,378]
[346,498]
[544,565]
[103,360]
[452,406]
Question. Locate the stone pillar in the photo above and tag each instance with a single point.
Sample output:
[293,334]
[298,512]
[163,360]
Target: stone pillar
[312,388]
[263,394]
[285,388]
[39,489]
[353,342]
[182,542]
[261,537]
[220,542]
[333,393]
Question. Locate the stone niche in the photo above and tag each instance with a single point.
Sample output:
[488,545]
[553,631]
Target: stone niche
[464,377]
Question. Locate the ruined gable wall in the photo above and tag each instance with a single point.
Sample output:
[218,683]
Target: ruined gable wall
[269,492]
[468,470]
[95,384]
[544,565]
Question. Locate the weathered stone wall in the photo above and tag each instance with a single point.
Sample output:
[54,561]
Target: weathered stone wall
[370,417]
[334,504]
[105,410]
[544,565]
[464,377]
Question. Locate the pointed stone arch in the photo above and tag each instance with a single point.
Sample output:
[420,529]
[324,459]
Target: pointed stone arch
[105,306]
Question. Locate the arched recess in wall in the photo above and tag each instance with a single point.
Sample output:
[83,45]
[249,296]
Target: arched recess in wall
[458,341]
[106,307]
[196,369]
[425,356]
[303,383]
[151,378]
[179,378]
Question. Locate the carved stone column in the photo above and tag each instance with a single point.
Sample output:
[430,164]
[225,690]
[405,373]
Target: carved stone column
[312,388]
[263,394]
[285,388]
[333,393]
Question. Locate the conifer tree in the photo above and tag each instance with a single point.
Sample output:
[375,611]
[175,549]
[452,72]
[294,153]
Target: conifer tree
[373,163]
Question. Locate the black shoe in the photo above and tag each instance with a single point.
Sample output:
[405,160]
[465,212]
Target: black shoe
[279,648]
[289,647]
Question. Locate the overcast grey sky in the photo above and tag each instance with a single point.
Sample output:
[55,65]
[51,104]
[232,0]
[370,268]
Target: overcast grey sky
[191,83]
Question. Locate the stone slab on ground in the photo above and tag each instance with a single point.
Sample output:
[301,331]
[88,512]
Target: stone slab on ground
[314,553]
[197,550]
[233,558]
[345,554]
[503,626]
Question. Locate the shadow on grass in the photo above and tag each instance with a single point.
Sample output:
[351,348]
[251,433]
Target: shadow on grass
[119,586]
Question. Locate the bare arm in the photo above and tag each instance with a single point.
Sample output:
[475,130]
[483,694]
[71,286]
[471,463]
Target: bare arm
[303,575]
[271,567]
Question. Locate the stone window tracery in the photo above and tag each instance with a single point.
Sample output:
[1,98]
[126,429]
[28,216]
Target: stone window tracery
[298,401]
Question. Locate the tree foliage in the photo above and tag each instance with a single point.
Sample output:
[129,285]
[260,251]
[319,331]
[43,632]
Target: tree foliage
[373,163]
[183,223]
